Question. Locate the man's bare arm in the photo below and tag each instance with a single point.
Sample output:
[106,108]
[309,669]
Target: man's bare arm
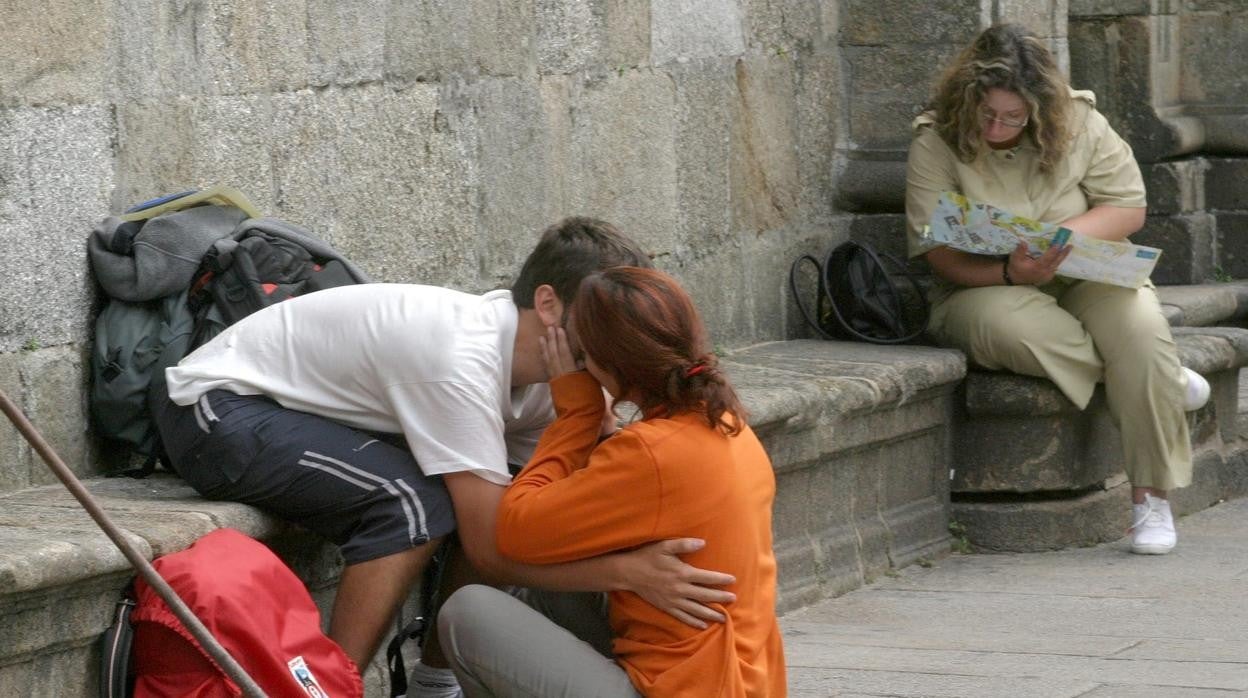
[653,572]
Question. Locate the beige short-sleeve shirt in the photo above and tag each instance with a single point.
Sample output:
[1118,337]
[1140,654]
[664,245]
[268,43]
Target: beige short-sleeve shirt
[1098,169]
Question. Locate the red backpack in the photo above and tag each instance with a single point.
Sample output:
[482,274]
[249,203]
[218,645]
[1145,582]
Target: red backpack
[255,606]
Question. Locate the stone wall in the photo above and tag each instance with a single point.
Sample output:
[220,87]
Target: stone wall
[429,140]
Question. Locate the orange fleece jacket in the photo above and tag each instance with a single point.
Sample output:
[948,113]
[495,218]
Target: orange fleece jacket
[656,479]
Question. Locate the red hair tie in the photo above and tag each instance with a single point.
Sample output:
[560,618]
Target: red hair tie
[695,369]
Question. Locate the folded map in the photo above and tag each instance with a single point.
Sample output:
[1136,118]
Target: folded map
[983,229]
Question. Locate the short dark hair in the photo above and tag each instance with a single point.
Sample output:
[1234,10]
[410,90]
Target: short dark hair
[570,250]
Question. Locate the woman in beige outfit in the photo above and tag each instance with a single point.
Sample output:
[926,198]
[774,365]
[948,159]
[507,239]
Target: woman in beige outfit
[1006,129]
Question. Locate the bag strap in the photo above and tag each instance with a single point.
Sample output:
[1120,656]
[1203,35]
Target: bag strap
[416,628]
[826,283]
[821,292]
[115,646]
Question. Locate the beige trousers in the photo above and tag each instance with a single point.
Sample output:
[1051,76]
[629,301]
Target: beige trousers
[1078,333]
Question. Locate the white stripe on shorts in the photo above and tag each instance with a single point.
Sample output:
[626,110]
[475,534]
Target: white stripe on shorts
[407,498]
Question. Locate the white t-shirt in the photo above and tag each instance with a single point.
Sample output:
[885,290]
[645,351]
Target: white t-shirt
[431,363]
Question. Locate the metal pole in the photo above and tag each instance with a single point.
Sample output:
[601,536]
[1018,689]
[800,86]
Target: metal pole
[153,578]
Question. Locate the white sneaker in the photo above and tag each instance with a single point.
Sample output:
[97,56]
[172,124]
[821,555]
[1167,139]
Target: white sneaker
[428,682]
[1153,530]
[1197,390]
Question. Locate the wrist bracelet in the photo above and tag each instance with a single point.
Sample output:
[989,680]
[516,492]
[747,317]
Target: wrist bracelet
[1005,272]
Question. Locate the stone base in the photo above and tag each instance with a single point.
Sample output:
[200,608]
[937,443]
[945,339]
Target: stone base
[1033,525]
[859,437]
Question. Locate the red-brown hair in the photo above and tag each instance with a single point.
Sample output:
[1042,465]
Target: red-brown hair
[641,327]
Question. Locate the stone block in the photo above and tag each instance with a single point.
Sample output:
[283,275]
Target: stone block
[784,25]
[1083,519]
[875,496]
[764,165]
[1056,448]
[1045,19]
[754,310]
[1114,58]
[55,173]
[729,317]
[1233,244]
[603,34]
[56,381]
[429,40]
[67,673]
[212,47]
[15,453]
[1188,248]
[182,143]
[621,150]
[695,29]
[55,52]
[872,181]
[346,42]
[1108,8]
[886,87]
[1176,186]
[881,22]
[708,122]
[1214,52]
[767,261]
[1224,184]
[513,130]
[818,94]
[411,223]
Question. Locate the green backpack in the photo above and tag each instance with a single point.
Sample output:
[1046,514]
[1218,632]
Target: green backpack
[172,281]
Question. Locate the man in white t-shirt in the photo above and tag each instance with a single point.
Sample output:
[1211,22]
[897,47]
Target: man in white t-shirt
[385,416]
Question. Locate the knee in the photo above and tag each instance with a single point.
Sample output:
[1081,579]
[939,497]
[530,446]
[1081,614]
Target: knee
[995,316]
[464,611]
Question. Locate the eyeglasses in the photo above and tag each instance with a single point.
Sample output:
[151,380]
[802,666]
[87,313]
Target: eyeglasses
[988,118]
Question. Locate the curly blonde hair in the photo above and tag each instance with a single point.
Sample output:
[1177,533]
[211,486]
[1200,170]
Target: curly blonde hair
[1008,57]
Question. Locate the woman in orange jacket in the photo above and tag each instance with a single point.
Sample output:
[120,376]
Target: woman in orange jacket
[689,468]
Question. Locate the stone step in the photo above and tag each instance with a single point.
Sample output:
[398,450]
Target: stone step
[858,436]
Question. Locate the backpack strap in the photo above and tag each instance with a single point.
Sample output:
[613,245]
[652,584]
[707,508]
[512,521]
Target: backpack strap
[418,627]
[116,671]
[819,294]
[826,285]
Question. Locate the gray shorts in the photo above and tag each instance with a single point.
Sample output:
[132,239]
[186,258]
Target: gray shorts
[362,491]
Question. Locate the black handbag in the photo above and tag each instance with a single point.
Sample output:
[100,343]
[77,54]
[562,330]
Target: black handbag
[856,298]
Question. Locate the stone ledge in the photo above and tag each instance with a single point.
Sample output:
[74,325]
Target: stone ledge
[1202,305]
[46,539]
[859,436]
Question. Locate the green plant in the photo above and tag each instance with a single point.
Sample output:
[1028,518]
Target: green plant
[31,344]
[1220,275]
[961,544]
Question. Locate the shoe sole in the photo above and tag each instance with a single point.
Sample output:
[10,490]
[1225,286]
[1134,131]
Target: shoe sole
[1151,549]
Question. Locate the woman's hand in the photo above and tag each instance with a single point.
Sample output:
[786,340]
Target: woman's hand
[1023,269]
[656,573]
[557,353]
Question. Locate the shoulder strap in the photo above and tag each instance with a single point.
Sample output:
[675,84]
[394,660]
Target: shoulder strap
[820,293]
[115,645]
[415,629]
